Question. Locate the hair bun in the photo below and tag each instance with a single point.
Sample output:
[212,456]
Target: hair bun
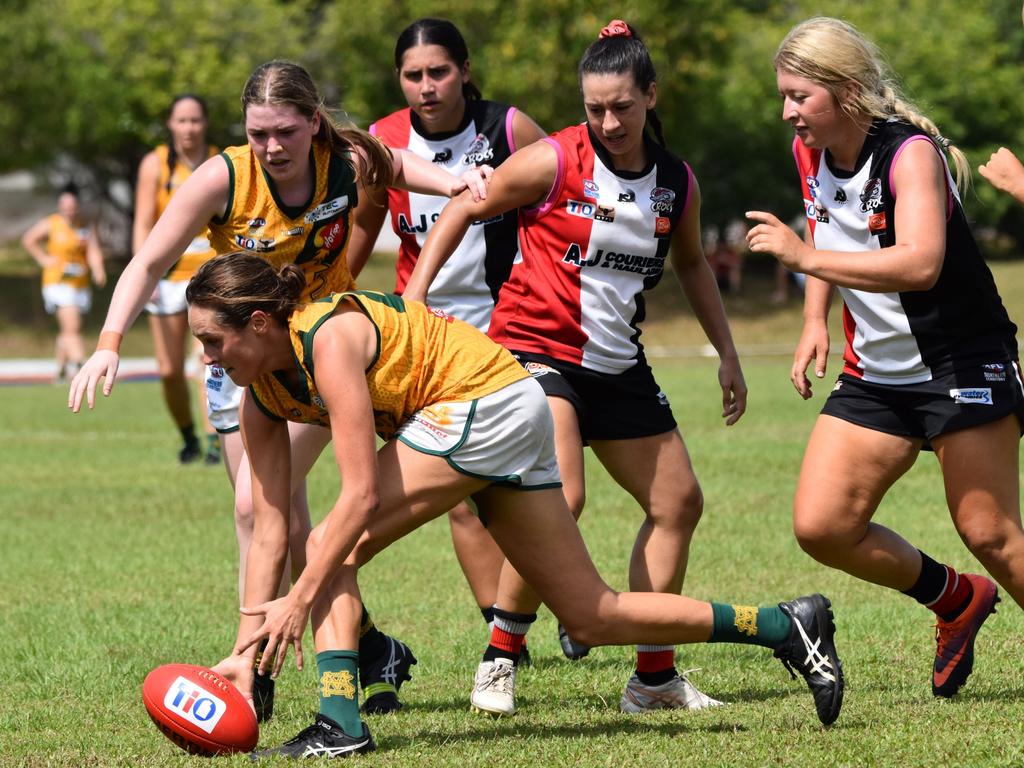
[615,28]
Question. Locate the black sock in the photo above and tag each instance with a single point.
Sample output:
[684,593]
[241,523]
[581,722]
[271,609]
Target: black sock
[930,583]
[372,642]
[488,614]
[188,434]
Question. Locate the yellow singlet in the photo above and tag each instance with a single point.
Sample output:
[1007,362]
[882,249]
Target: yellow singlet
[314,236]
[199,250]
[423,357]
[68,245]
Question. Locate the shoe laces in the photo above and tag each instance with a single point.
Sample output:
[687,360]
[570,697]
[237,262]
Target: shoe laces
[305,733]
[498,677]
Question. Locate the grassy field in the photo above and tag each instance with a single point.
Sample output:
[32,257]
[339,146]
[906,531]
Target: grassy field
[114,560]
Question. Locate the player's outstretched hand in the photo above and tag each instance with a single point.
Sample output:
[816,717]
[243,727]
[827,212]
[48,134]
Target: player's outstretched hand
[101,365]
[1005,172]
[238,669]
[284,622]
[769,235]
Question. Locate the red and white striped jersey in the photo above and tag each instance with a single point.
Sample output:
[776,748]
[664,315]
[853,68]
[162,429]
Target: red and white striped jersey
[467,285]
[588,253]
[904,337]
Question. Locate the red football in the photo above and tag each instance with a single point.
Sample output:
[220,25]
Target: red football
[199,710]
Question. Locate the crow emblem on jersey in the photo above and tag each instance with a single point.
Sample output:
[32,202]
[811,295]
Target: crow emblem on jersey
[871,196]
[840,196]
[479,151]
[629,196]
[443,156]
[662,200]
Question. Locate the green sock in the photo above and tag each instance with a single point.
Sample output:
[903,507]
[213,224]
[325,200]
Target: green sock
[339,699]
[745,624]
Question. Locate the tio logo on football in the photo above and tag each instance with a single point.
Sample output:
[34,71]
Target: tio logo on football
[195,704]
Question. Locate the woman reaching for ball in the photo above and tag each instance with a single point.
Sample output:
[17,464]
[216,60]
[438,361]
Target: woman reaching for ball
[461,419]
[289,195]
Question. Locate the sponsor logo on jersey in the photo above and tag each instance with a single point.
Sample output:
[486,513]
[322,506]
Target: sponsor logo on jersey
[294,231]
[812,185]
[662,200]
[590,188]
[442,157]
[326,210]
[876,223]
[840,196]
[258,244]
[994,371]
[257,223]
[604,213]
[871,195]
[331,236]
[194,704]
[820,213]
[662,227]
[973,396]
[479,151]
[620,262]
[629,196]
[406,226]
[441,314]
[538,369]
[810,207]
[580,208]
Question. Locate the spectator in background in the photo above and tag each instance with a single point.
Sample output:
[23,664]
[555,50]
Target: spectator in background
[66,246]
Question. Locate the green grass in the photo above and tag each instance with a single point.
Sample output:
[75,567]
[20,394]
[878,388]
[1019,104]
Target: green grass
[114,560]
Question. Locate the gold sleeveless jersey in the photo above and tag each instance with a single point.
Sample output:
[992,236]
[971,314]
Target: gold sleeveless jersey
[68,245]
[199,250]
[423,357]
[314,236]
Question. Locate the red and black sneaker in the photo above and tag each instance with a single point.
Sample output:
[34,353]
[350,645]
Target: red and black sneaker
[954,653]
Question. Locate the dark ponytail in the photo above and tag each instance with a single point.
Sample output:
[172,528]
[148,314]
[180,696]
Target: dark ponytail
[617,51]
[430,31]
[237,284]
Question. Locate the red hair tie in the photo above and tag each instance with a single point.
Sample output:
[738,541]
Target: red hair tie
[615,28]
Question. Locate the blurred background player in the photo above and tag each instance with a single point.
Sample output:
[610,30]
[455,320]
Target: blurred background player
[448,123]
[602,206]
[161,173]
[931,354]
[67,247]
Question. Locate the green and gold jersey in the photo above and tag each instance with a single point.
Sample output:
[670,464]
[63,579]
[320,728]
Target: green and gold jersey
[423,357]
[314,236]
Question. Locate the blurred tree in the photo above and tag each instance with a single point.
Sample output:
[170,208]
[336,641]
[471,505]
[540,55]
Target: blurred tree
[92,78]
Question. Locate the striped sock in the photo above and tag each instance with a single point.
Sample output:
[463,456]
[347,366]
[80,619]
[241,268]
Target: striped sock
[508,634]
[655,664]
[940,588]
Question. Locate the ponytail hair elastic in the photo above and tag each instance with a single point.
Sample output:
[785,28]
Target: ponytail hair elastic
[942,141]
[615,28]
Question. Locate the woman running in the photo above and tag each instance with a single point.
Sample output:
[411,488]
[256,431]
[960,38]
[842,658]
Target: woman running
[161,172]
[449,123]
[931,355]
[602,207]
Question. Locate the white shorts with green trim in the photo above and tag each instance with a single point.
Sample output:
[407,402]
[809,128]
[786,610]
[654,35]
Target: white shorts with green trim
[223,397]
[506,437]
